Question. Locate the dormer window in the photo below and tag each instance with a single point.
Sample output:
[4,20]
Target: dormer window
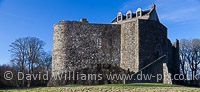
[119,18]
[138,14]
[129,16]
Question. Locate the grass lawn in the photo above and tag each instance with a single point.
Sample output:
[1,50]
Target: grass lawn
[133,87]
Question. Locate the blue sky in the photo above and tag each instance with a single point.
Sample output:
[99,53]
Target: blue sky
[21,18]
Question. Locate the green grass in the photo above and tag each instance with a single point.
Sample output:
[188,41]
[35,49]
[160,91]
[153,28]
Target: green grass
[143,84]
[133,87]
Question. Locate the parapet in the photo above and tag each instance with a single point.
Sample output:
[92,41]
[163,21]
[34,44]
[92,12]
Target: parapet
[84,20]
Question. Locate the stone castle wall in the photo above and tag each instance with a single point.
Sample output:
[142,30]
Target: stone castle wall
[175,56]
[77,45]
[142,42]
[129,46]
[152,41]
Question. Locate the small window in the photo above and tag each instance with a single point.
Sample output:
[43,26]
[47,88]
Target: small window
[119,18]
[99,43]
[129,16]
[138,14]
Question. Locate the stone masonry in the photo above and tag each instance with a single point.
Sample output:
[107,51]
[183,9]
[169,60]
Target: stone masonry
[130,43]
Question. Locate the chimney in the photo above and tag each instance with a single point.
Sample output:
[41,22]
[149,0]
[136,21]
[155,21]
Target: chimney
[84,20]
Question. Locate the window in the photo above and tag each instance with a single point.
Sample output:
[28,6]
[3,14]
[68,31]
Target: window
[129,16]
[119,18]
[99,43]
[158,51]
[138,14]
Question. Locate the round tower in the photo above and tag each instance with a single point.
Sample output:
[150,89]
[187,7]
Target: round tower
[59,47]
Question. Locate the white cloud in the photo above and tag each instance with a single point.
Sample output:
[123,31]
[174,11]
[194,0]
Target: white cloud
[133,5]
[178,10]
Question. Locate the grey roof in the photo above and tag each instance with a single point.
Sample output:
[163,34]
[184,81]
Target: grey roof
[144,12]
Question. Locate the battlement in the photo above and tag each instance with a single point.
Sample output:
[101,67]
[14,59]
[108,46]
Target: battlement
[82,20]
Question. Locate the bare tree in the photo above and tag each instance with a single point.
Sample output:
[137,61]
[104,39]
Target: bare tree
[18,50]
[190,54]
[194,56]
[44,65]
[34,47]
[26,51]
[183,56]
[46,59]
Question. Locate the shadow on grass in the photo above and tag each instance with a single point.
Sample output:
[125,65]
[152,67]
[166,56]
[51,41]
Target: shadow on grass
[21,88]
[131,84]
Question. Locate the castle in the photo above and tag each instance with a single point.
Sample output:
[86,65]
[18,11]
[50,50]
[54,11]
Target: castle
[131,42]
